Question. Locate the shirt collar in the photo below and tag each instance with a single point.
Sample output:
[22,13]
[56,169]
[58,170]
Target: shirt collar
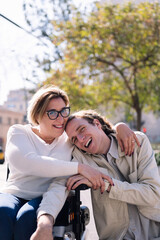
[114,150]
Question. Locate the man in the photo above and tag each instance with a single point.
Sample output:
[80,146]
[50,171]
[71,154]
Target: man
[131,208]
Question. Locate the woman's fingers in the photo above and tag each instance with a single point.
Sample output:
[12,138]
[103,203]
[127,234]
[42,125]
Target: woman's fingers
[78,179]
[120,142]
[72,180]
[102,187]
[82,181]
[131,145]
[109,179]
[126,138]
[128,143]
[94,176]
[132,140]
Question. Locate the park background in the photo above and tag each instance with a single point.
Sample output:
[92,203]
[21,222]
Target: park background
[104,54]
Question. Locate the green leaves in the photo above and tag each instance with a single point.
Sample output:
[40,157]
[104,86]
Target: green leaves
[111,55]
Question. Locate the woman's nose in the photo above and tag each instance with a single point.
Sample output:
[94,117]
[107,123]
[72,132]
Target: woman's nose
[60,118]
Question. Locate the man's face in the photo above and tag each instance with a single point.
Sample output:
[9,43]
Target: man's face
[86,136]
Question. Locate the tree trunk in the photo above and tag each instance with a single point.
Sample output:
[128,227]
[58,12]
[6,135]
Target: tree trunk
[139,117]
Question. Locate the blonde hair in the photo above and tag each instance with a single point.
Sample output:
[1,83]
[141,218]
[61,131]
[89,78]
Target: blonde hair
[89,116]
[40,100]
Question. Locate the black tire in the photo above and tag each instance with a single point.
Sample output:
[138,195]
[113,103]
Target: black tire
[1,161]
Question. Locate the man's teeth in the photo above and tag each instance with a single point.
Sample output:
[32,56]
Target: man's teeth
[88,143]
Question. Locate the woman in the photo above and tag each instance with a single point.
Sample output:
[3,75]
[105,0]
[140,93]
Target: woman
[37,153]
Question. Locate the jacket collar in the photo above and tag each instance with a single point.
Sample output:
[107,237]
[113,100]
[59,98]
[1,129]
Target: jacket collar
[115,150]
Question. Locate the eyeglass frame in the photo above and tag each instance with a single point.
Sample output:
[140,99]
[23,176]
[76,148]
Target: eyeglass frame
[58,112]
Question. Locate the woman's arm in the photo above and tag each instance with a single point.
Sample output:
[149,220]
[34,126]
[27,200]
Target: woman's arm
[93,176]
[44,228]
[126,138]
[23,156]
[49,208]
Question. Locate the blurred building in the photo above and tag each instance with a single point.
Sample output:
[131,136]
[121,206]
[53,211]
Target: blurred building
[17,100]
[13,111]
[8,118]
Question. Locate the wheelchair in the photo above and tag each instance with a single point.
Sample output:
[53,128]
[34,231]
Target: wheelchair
[72,220]
[1,155]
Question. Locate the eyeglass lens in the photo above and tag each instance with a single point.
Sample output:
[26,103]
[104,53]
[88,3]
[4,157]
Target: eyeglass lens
[53,114]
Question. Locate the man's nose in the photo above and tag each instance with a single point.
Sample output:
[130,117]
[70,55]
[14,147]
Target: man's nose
[80,137]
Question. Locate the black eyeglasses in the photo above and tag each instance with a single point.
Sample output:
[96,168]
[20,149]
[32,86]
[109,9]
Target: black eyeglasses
[53,114]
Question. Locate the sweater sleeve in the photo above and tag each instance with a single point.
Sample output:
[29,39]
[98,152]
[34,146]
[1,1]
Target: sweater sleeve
[144,186]
[22,156]
[54,199]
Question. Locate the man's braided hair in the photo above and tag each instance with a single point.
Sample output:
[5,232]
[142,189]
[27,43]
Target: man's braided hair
[90,115]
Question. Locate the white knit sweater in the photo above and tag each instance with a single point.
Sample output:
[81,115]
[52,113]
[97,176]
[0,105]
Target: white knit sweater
[34,164]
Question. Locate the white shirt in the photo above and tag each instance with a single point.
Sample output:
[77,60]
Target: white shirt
[33,163]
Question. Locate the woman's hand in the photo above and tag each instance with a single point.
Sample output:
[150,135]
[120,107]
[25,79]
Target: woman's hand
[76,180]
[94,176]
[42,233]
[44,228]
[126,138]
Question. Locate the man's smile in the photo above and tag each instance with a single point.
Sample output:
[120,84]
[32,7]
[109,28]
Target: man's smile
[88,143]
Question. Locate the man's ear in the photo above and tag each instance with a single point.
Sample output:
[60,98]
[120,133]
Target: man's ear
[97,123]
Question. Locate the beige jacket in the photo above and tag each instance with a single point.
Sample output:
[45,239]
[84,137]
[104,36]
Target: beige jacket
[142,188]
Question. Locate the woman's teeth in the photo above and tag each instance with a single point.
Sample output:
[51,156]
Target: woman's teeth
[58,126]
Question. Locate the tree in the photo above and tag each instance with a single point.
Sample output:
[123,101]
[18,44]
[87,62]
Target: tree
[112,54]
[38,16]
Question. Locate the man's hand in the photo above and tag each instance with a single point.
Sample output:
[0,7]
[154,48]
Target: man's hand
[44,228]
[126,138]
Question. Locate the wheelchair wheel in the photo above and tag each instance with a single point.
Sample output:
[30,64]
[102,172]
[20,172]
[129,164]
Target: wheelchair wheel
[69,236]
